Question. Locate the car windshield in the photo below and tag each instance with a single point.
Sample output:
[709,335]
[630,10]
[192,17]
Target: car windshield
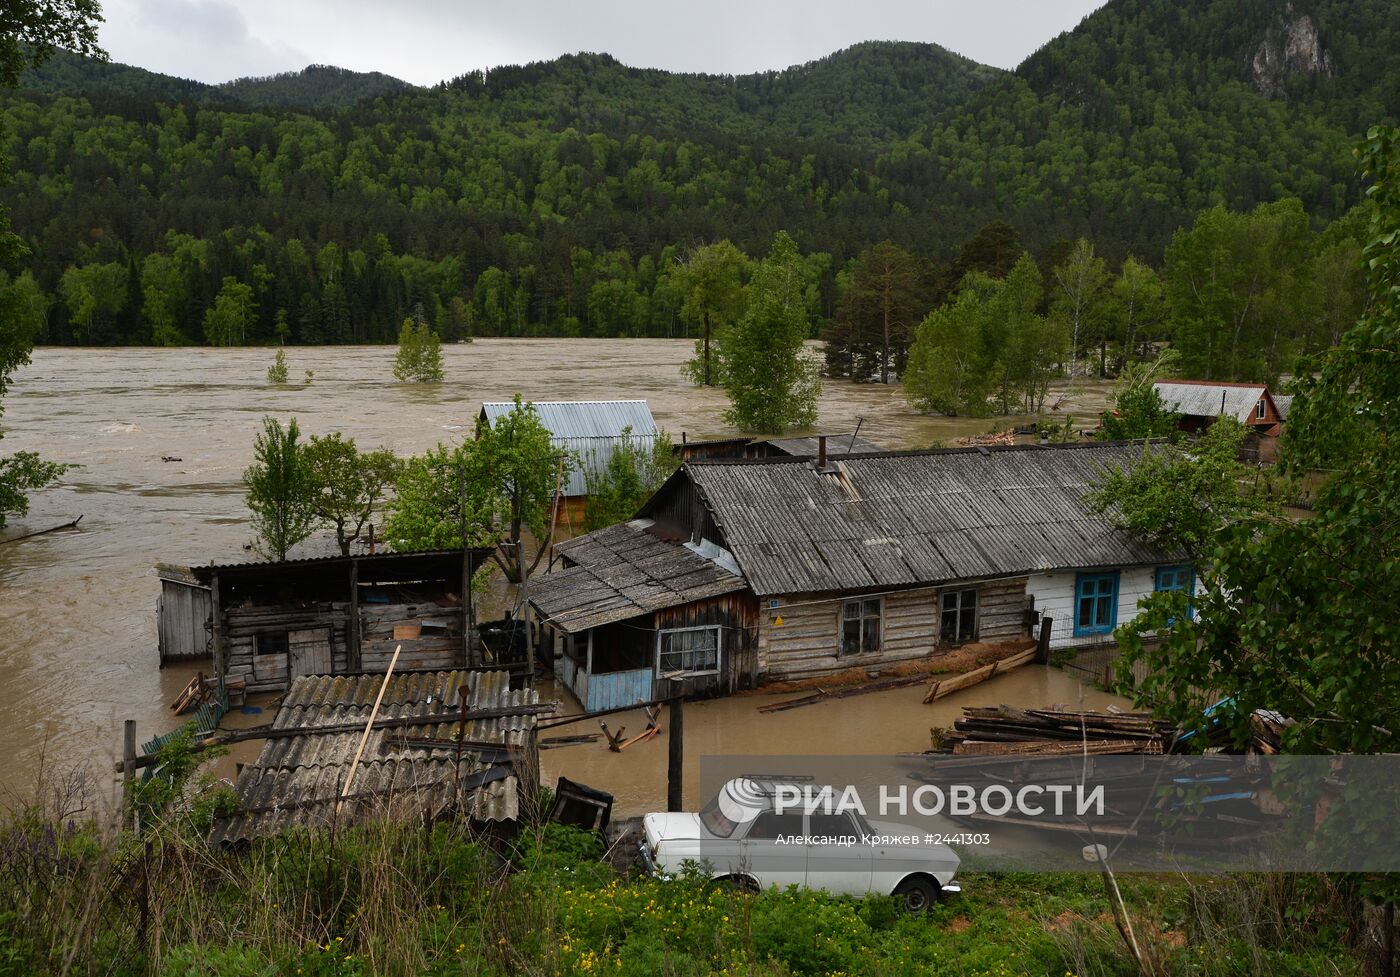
[715,821]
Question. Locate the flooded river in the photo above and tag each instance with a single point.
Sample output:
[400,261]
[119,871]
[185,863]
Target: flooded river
[163,437]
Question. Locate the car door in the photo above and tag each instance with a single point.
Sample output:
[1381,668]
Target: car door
[838,859]
[773,852]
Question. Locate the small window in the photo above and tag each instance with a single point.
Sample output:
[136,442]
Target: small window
[271,643]
[1259,410]
[832,826]
[860,626]
[1096,610]
[684,652]
[959,621]
[1177,578]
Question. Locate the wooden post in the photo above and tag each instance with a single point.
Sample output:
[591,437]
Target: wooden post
[353,631]
[1042,651]
[128,763]
[466,606]
[675,753]
[216,625]
[525,611]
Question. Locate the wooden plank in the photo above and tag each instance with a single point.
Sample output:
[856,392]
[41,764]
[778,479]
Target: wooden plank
[942,687]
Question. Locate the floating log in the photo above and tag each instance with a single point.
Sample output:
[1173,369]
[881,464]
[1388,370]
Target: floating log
[947,686]
[70,524]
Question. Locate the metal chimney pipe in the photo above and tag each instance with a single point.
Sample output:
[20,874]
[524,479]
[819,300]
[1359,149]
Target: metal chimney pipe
[821,452]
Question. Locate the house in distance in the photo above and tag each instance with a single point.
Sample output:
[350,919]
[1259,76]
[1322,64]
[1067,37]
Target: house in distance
[741,572]
[1201,402]
[588,431]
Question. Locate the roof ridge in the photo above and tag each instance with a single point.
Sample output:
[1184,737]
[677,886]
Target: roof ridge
[932,452]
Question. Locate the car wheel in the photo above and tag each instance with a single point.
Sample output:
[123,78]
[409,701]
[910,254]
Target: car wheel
[738,883]
[917,894]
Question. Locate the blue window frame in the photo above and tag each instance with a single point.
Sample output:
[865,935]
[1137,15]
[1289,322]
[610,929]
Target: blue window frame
[1096,603]
[1177,578]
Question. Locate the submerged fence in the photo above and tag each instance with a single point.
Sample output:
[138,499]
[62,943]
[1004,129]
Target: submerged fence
[206,719]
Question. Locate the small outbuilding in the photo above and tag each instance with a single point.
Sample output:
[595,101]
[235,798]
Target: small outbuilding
[269,623]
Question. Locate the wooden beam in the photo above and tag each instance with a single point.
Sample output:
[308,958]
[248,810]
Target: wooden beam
[373,715]
[353,652]
[216,625]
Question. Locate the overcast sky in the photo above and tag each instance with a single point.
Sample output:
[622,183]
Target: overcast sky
[426,41]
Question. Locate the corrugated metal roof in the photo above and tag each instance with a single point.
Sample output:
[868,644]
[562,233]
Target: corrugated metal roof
[836,444]
[625,571]
[917,517]
[1236,400]
[386,559]
[1283,403]
[589,429]
[296,780]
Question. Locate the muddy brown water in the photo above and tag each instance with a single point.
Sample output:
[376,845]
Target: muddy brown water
[77,608]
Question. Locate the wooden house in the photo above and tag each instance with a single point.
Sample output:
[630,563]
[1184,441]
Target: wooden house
[588,431]
[738,573]
[1200,402]
[268,623]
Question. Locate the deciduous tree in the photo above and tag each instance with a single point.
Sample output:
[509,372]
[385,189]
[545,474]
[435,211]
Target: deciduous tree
[772,379]
[349,486]
[279,489]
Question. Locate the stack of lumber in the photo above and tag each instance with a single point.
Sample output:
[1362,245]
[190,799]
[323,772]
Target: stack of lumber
[1008,731]
[992,440]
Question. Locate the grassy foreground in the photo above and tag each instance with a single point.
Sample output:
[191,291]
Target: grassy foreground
[400,899]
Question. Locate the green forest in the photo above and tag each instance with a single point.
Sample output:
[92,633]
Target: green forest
[568,197]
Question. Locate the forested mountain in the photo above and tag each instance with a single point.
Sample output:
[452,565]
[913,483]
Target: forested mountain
[315,87]
[557,197]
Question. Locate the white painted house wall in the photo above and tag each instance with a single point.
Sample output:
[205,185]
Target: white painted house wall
[1054,595]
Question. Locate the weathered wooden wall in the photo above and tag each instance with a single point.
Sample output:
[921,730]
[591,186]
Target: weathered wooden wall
[182,619]
[737,615]
[439,651]
[268,673]
[377,622]
[807,643]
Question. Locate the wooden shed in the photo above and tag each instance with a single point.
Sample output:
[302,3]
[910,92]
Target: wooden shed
[269,623]
[787,568]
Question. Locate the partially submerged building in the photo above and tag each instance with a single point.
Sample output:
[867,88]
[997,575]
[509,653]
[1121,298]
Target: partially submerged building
[588,431]
[738,573]
[409,767]
[266,624]
[1201,402]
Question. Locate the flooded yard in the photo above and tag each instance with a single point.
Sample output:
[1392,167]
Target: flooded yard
[162,438]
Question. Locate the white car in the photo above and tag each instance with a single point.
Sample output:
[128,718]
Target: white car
[741,838]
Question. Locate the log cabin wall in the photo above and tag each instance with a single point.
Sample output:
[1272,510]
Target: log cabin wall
[437,646]
[807,642]
[431,637]
[269,672]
